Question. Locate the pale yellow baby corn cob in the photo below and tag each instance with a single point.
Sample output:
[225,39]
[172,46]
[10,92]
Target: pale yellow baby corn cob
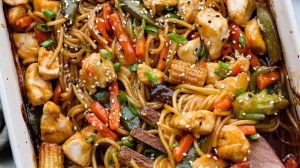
[51,156]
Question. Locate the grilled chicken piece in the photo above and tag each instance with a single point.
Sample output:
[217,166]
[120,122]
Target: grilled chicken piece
[186,73]
[78,150]
[240,11]
[97,71]
[38,90]
[27,45]
[126,154]
[89,131]
[15,13]
[188,9]
[160,3]
[50,156]
[199,122]
[232,84]
[55,127]
[42,5]
[188,52]
[213,28]
[46,69]
[15,2]
[209,161]
[252,31]
[212,77]
[142,71]
[232,144]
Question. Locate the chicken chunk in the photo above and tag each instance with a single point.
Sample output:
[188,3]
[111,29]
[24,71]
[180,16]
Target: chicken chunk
[55,127]
[97,71]
[188,52]
[212,77]
[27,45]
[232,84]
[209,161]
[240,11]
[38,90]
[186,73]
[46,69]
[148,75]
[78,150]
[160,3]
[253,33]
[232,144]
[188,9]
[15,13]
[89,131]
[42,5]
[213,28]
[199,122]
[15,2]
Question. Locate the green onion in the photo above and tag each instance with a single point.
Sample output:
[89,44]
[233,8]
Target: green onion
[242,41]
[133,67]
[247,116]
[201,52]
[177,38]
[223,71]
[48,43]
[49,14]
[111,160]
[254,137]
[132,108]
[175,144]
[128,143]
[169,8]
[239,92]
[84,47]
[120,4]
[151,29]
[151,76]
[90,139]
[106,54]
[122,97]
[117,66]
[135,29]
[42,27]
[176,16]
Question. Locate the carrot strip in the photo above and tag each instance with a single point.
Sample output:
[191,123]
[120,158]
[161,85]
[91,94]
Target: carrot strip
[265,80]
[140,46]
[254,61]
[223,104]
[41,36]
[248,129]
[100,111]
[115,106]
[163,55]
[184,145]
[100,126]
[56,95]
[24,21]
[101,27]
[123,38]
[239,39]
[238,68]
[106,12]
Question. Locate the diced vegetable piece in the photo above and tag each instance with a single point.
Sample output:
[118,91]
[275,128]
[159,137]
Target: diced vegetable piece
[100,111]
[101,27]
[133,67]
[253,137]
[239,39]
[115,106]
[184,145]
[290,162]
[117,66]
[56,95]
[49,14]
[128,143]
[223,104]
[248,129]
[255,75]
[223,71]
[41,36]
[106,12]
[163,55]
[265,80]
[50,155]
[48,43]
[177,38]
[90,139]
[69,9]
[140,44]
[252,116]
[24,21]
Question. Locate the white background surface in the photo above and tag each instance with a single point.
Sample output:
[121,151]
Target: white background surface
[296,4]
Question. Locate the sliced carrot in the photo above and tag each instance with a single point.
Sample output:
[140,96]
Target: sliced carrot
[237,68]
[224,104]
[100,126]
[268,79]
[101,27]
[115,106]
[184,145]
[254,61]
[163,55]
[106,12]
[100,111]
[290,162]
[24,21]
[140,46]
[239,39]
[248,129]
[56,95]
[41,36]
[123,38]
[227,49]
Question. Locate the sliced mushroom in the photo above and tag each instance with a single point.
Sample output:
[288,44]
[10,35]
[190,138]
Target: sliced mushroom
[55,127]
[38,90]
[27,45]
[49,70]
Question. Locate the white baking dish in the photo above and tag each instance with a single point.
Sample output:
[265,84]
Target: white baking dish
[12,101]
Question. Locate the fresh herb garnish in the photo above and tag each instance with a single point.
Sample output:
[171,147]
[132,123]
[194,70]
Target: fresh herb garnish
[90,139]
[49,14]
[128,143]
[42,27]
[48,43]
[117,66]
[133,67]
[151,29]
[242,41]
[239,92]
[136,31]
[151,76]
[223,71]
[177,38]
[106,54]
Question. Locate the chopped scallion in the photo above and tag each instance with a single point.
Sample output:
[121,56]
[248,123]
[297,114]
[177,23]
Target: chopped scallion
[169,8]
[223,71]
[242,41]
[133,67]
[117,66]
[48,43]
[42,27]
[177,38]
[254,137]
[247,116]
[239,92]
[49,14]
[136,31]
[90,139]
[151,76]
[122,97]
[106,54]
[151,29]
[128,143]
[120,4]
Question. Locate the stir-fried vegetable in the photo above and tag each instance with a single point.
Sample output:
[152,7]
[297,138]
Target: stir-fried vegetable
[270,34]
[163,55]
[248,129]
[41,36]
[102,97]
[99,111]
[177,38]
[115,106]
[49,14]
[265,80]
[262,103]
[191,156]
[253,137]
[184,145]
[223,71]
[48,43]
[24,22]
[255,75]
[69,9]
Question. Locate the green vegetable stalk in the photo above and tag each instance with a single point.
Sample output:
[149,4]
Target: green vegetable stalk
[262,103]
